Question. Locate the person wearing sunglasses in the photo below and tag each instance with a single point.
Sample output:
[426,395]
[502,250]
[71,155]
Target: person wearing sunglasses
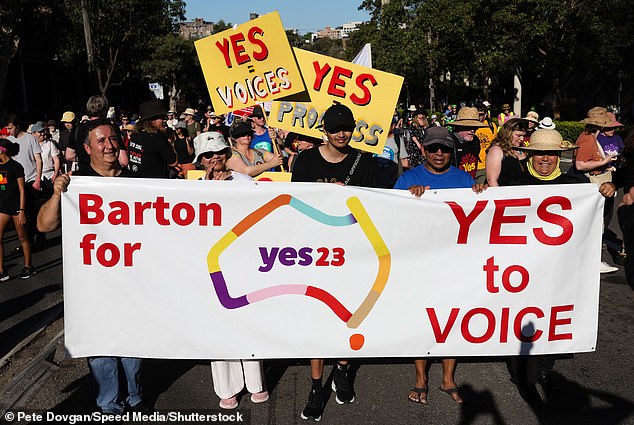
[212,155]
[436,173]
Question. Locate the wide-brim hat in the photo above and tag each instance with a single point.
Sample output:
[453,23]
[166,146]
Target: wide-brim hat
[614,123]
[189,111]
[257,112]
[598,116]
[128,127]
[210,141]
[547,140]
[506,106]
[532,116]
[152,109]
[68,116]
[412,108]
[468,117]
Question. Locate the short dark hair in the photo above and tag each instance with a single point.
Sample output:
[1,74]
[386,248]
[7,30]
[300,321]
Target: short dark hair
[91,125]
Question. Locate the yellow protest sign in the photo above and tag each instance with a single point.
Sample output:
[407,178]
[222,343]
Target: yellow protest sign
[369,93]
[274,176]
[249,64]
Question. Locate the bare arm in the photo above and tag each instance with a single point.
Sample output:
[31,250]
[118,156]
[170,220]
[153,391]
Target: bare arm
[591,165]
[50,218]
[235,163]
[37,184]
[494,165]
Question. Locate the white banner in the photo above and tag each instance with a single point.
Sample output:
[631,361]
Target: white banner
[204,269]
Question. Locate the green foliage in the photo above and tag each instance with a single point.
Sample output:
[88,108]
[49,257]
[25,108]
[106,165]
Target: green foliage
[569,130]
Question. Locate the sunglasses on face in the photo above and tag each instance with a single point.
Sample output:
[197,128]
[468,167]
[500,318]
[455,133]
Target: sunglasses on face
[209,155]
[433,148]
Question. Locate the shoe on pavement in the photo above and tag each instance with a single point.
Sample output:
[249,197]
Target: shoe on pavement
[229,403]
[341,385]
[606,268]
[260,397]
[315,406]
[27,272]
[4,276]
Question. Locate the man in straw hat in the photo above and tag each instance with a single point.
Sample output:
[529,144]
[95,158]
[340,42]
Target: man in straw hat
[151,155]
[467,145]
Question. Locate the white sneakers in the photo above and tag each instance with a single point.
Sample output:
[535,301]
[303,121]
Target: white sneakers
[606,268]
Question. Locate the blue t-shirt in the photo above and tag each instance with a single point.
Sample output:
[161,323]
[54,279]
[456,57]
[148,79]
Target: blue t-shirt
[452,179]
[262,142]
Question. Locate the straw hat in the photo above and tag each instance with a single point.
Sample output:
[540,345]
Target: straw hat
[547,140]
[598,116]
[532,116]
[189,111]
[614,123]
[468,117]
[128,127]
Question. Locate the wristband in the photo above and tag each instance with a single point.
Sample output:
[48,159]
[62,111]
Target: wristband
[21,209]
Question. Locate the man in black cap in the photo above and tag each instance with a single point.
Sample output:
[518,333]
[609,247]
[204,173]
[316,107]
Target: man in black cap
[337,162]
[151,155]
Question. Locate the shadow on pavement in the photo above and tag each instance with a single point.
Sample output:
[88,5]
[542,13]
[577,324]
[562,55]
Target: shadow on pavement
[11,337]
[15,305]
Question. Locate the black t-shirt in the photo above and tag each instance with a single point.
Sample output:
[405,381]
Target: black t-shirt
[180,146]
[10,172]
[150,155]
[310,166]
[466,155]
[88,171]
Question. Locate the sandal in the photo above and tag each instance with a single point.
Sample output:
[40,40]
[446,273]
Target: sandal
[419,393]
[453,393]
[260,397]
[229,403]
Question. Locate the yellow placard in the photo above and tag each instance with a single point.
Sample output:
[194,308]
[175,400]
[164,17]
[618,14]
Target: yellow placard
[274,176]
[369,93]
[249,64]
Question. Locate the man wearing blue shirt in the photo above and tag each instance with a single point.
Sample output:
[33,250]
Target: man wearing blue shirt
[436,172]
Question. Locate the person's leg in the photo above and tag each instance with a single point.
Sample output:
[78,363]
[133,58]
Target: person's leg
[227,378]
[132,369]
[23,236]
[105,370]
[341,383]
[418,394]
[448,383]
[315,406]
[4,220]
[254,380]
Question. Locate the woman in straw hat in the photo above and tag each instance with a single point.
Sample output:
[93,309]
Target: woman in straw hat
[542,167]
[503,160]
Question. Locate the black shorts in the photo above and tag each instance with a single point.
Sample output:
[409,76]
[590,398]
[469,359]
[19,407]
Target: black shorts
[10,210]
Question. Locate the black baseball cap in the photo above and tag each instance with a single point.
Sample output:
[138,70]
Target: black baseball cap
[438,135]
[338,117]
[241,129]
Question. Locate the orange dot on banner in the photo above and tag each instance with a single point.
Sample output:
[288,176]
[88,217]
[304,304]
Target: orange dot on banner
[357,341]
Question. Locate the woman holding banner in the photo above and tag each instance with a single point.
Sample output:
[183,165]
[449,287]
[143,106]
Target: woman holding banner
[246,160]
[229,376]
[542,167]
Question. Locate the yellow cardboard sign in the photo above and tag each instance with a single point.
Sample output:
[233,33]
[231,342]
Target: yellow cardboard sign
[369,93]
[274,176]
[249,64]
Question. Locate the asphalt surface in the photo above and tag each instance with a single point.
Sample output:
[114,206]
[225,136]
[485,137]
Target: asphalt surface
[593,388]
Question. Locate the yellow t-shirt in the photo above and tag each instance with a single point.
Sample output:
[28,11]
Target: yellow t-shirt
[486,136]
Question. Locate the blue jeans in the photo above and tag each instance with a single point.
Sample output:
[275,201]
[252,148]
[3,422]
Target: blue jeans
[106,372]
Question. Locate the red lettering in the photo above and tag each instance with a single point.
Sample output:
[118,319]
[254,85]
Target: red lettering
[128,250]
[336,81]
[465,220]
[490,268]
[217,214]
[238,49]
[120,213]
[320,74]
[442,334]
[90,204]
[554,322]
[87,244]
[139,208]
[517,324]
[190,214]
[224,49]
[367,96]
[504,325]
[114,254]
[466,333]
[499,219]
[506,278]
[160,206]
[556,219]
[264,51]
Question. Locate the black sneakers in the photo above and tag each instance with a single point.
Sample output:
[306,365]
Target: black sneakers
[4,276]
[315,406]
[341,385]
[27,272]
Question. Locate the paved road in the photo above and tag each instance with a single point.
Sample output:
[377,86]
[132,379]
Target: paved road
[596,388]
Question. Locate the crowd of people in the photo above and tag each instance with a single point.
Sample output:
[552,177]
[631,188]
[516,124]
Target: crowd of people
[473,150]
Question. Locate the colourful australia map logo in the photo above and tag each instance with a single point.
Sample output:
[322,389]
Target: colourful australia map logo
[358,215]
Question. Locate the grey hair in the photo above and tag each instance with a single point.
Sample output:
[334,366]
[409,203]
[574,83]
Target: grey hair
[97,106]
